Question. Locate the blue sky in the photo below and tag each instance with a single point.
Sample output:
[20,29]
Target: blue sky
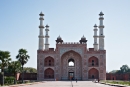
[71,19]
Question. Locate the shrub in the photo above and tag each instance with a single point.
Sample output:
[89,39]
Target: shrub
[27,81]
[9,80]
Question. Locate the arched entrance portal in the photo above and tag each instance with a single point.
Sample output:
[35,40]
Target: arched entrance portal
[49,73]
[93,74]
[71,66]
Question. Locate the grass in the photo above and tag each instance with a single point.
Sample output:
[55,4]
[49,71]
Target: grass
[19,82]
[127,83]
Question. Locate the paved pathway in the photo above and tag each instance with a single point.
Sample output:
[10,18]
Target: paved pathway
[66,84]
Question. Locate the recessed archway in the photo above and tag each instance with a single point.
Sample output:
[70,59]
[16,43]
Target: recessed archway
[49,73]
[49,61]
[93,74]
[71,60]
[93,61]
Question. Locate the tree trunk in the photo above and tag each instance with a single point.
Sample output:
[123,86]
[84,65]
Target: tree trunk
[2,71]
[14,78]
[22,74]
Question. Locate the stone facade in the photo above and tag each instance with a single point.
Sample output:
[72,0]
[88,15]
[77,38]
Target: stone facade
[83,68]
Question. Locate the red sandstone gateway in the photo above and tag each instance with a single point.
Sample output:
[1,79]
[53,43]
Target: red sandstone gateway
[71,60]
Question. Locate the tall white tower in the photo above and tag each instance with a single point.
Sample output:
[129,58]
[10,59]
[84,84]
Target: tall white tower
[41,36]
[101,35]
[95,44]
[47,38]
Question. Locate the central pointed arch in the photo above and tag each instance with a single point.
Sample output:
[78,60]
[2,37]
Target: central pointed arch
[71,57]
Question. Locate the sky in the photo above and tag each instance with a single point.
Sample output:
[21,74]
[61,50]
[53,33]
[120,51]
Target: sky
[71,19]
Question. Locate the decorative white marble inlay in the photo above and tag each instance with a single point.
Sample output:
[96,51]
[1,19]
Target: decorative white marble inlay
[63,50]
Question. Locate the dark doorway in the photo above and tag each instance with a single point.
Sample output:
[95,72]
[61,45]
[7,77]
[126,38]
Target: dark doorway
[113,78]
[71,76]
[92,76]
[49,73]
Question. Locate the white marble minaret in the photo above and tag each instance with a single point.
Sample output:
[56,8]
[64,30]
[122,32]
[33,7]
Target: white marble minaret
[101,35]
[95,44]
[41,36]
[47,38]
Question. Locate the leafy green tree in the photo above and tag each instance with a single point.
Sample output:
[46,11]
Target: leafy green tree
[124,69]
[114,71]
[5,60]
[23,58]
[14,67]
[29,70]
[118,72]
[0,64]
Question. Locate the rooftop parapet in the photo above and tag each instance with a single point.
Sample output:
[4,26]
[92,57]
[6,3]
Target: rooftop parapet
[71,43]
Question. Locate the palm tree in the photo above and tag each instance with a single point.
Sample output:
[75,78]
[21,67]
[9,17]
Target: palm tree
[0,65]
[23,58]
[5,60]
[14,67]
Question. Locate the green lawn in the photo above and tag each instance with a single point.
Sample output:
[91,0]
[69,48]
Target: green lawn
[127,83]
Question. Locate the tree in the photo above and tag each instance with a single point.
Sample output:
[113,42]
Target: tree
[114,71]
[0,65]
[124,69]
[23,58]
[5,59]
[14,67]
[29,70]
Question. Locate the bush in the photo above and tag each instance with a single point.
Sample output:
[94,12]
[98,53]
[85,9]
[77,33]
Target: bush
[27,81]
[9,80]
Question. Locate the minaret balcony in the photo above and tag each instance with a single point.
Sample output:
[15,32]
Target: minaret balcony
[101,18]
[101,36]
[41,36]
[101,26]
[41,26]
[46,36]
[95,36]
[41,18]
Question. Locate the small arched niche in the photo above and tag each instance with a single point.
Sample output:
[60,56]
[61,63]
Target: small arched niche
[93,61]
[49,61]
[71,62]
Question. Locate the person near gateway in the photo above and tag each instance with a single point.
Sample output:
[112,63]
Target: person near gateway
[76,80]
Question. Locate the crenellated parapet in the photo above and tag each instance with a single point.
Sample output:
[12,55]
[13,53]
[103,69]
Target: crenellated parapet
[51,50]
[70,43]
[92,51]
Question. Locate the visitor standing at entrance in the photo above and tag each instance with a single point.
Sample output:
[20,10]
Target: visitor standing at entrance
[76,80]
